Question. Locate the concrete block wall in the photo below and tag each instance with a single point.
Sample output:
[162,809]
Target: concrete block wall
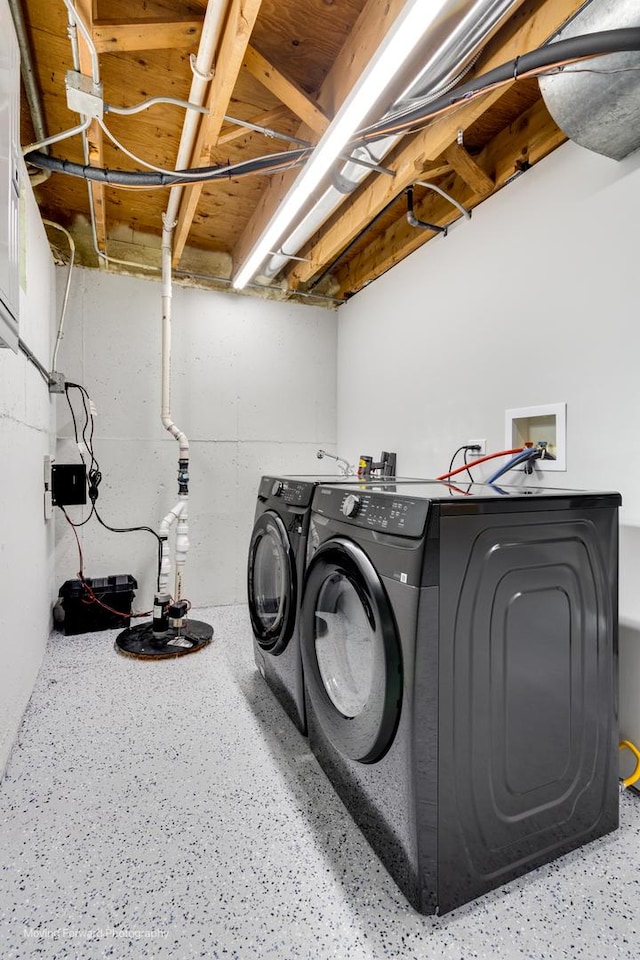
[26,437]
[253,386]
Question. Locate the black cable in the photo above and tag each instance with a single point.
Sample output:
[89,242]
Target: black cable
[466,450]
[42,370]
[453,458]
[465,447]
[134,530]
[82,522]
[73,417]
[94,474]
[550,55]
[137,178]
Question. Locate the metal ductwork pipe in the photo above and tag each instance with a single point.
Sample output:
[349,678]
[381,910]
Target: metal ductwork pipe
[597,104]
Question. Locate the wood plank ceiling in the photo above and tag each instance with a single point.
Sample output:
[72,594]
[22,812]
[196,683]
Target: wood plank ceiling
[286,65]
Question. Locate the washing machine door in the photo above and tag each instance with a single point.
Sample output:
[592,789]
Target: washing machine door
[351,652]
[271,583]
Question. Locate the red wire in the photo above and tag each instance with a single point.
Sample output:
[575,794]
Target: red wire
[92,596]
[474,463]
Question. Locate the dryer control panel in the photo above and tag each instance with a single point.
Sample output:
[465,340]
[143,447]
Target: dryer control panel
[383,512]
[297,493]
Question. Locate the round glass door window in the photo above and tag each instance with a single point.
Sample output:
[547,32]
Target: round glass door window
[344,640]
[351,652]
[271,581]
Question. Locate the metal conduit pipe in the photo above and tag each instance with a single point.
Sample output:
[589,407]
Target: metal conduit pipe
[450,46]
[31,89]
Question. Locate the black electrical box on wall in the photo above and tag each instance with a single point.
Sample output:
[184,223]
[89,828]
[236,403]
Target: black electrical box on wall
[68,484]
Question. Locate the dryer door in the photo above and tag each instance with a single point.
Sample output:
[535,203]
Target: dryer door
[351,654]
[271,585]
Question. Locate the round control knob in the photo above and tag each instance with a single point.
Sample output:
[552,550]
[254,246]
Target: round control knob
[351,505]
[277,488]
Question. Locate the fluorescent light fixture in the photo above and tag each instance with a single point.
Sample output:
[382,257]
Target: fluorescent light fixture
[398,45]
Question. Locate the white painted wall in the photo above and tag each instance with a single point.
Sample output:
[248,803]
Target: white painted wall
[253,387]
[26,436]
[532,302]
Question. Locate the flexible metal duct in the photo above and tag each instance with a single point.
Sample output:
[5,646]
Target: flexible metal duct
[457,36]
[598,104]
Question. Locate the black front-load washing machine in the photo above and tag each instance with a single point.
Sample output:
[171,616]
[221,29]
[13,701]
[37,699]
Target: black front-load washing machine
[275,569]
[459,655]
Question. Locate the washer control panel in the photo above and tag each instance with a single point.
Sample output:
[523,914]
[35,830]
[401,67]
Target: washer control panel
[386,513]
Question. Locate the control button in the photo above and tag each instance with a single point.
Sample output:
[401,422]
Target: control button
[277,488]
[351,505]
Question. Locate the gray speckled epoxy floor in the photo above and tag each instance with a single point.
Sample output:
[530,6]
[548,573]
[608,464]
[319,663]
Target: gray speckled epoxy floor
[172,810]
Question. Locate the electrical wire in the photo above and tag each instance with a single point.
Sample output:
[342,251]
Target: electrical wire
[133,530]
[145,104]
[87,586]
[532,64]
[132,156]
[559,54]
[270,163]
[72,256]
[40,367]
[466,462]
[451,462]
[94,474]
[490,456]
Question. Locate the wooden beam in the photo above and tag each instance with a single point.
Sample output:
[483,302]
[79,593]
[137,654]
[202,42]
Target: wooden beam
[285,90]
[536,21]
[266,119]
[233,44]
[365,38]
[526,141]
[120,36]
[409,163]
[86,10]
[470,171]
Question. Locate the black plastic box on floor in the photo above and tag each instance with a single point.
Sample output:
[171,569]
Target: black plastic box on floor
[83,615]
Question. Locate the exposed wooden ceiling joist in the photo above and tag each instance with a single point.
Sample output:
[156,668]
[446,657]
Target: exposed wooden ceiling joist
[289,93]
[86,10]
[124,36]
[469,169]
[537,21]
[233,44]
[304,70]
[532,137]
[365,38]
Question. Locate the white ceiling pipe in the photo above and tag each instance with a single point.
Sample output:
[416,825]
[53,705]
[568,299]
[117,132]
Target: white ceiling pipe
[202,75]
[449,47]
[202,71]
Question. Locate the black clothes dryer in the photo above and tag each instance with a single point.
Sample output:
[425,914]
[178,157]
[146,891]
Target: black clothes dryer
[275,569]
[459,652]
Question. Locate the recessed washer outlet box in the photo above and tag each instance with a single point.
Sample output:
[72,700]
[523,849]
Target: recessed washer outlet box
[543,424]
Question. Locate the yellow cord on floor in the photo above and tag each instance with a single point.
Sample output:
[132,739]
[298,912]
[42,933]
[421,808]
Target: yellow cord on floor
[629,781]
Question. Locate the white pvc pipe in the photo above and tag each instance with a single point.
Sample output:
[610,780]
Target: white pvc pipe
[163,533]
[165,413]
[211,30]
[202,68]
